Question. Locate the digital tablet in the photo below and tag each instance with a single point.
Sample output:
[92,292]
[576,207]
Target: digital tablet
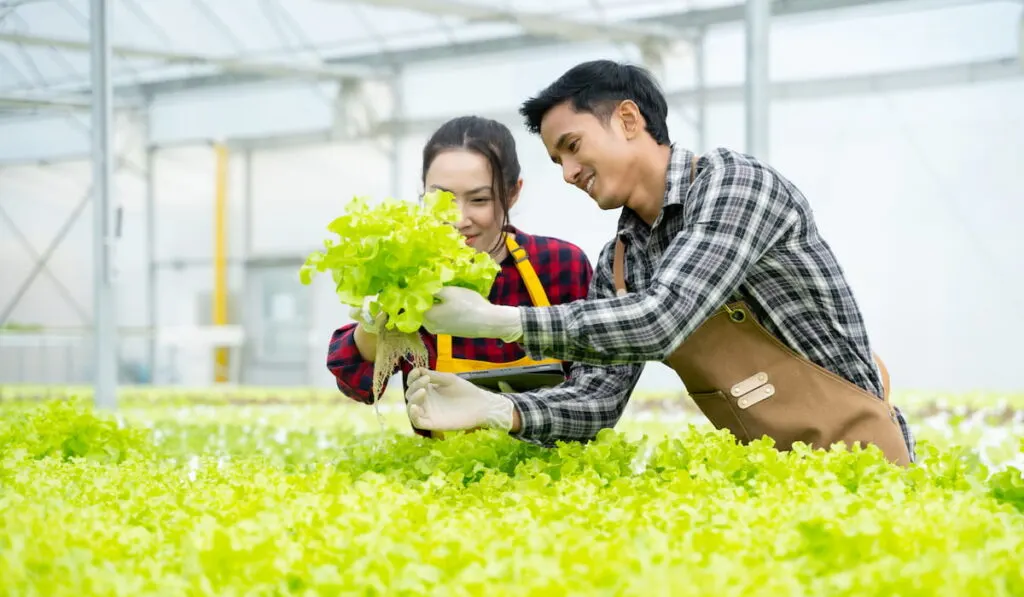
[520,379]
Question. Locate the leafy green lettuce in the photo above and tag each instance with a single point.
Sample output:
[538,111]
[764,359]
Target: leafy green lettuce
[401,253]
[250,501]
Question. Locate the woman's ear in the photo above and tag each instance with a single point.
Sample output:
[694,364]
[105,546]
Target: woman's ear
[513,195]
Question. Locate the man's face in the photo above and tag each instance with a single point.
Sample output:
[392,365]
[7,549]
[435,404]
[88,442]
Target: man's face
[595,157]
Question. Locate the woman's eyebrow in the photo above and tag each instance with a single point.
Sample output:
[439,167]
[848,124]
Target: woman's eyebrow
[469,192]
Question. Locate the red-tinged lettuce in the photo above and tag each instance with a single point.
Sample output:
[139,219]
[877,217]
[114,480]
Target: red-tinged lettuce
[402,253]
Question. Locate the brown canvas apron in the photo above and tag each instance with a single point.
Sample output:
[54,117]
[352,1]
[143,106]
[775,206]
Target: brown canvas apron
[747,381]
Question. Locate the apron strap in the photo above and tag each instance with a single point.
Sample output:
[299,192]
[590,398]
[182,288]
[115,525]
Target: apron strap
[444,352]
[533,287]
[886,384]
[530,279]
[619,260]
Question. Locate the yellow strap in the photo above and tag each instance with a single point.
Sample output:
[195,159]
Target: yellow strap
[444,353]
[538,296]
[533,285]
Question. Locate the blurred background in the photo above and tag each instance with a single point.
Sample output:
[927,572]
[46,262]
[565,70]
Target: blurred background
[238,129]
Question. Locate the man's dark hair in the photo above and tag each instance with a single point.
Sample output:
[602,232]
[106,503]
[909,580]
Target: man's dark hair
[598,87]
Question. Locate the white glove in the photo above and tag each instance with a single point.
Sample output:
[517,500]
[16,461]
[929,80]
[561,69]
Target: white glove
[466,314]
[446,402]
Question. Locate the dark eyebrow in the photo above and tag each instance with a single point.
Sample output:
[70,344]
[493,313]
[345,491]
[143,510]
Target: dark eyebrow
[470,192]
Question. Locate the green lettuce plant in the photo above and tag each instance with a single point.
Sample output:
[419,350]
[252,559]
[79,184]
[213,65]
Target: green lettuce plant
[398,255]
[402,254]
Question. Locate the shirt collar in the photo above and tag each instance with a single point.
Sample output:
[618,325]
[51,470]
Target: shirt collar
[677,181]
[677,178]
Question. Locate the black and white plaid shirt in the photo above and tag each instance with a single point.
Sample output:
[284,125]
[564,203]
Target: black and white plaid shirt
[740,231]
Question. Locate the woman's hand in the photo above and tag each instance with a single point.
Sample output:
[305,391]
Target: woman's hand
[366,332]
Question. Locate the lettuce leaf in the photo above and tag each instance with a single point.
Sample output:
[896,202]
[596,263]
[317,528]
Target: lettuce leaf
[401,253]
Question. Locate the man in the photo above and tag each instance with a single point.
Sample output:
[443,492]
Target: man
[717,269]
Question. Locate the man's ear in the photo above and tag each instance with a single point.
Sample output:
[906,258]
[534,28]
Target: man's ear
[631,118]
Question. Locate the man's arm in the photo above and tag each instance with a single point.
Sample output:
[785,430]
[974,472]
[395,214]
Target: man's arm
[592,399]
[736,214]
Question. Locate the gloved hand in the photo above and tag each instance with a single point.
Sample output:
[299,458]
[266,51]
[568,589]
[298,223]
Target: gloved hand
[466,314]
[446,402]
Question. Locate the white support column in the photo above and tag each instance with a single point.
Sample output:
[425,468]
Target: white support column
[151,244]
[247,215]
[395,150]
[245,303]
[757,101]
[701,100]
[1020,38]
[104,312]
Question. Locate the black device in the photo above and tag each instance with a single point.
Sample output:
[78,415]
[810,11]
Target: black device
[521,379]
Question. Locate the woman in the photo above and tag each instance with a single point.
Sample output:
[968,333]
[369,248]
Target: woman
[475,159]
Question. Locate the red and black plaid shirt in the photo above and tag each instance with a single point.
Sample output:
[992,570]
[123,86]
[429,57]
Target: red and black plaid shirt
[564,271]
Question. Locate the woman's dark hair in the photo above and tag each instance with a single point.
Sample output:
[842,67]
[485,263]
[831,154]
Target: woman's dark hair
[489,138]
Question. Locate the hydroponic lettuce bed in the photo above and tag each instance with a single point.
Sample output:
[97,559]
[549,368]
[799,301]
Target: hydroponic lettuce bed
[209,494]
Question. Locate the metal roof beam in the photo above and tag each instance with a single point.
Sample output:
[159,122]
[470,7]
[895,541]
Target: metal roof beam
[231,64]
[695,20]
[372,62]
[947,75]
[987,71]
[12,4]
[56,101]
[552,25]
[688,22]
[62,103]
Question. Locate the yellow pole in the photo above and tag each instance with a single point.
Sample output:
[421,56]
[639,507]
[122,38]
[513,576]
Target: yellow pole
[220,282]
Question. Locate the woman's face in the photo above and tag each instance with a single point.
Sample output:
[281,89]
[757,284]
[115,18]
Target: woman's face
[467,175]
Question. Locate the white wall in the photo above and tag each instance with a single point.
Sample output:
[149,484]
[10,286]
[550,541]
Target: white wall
[920,193]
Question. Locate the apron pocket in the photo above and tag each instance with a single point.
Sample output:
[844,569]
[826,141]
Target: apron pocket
[720,410]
